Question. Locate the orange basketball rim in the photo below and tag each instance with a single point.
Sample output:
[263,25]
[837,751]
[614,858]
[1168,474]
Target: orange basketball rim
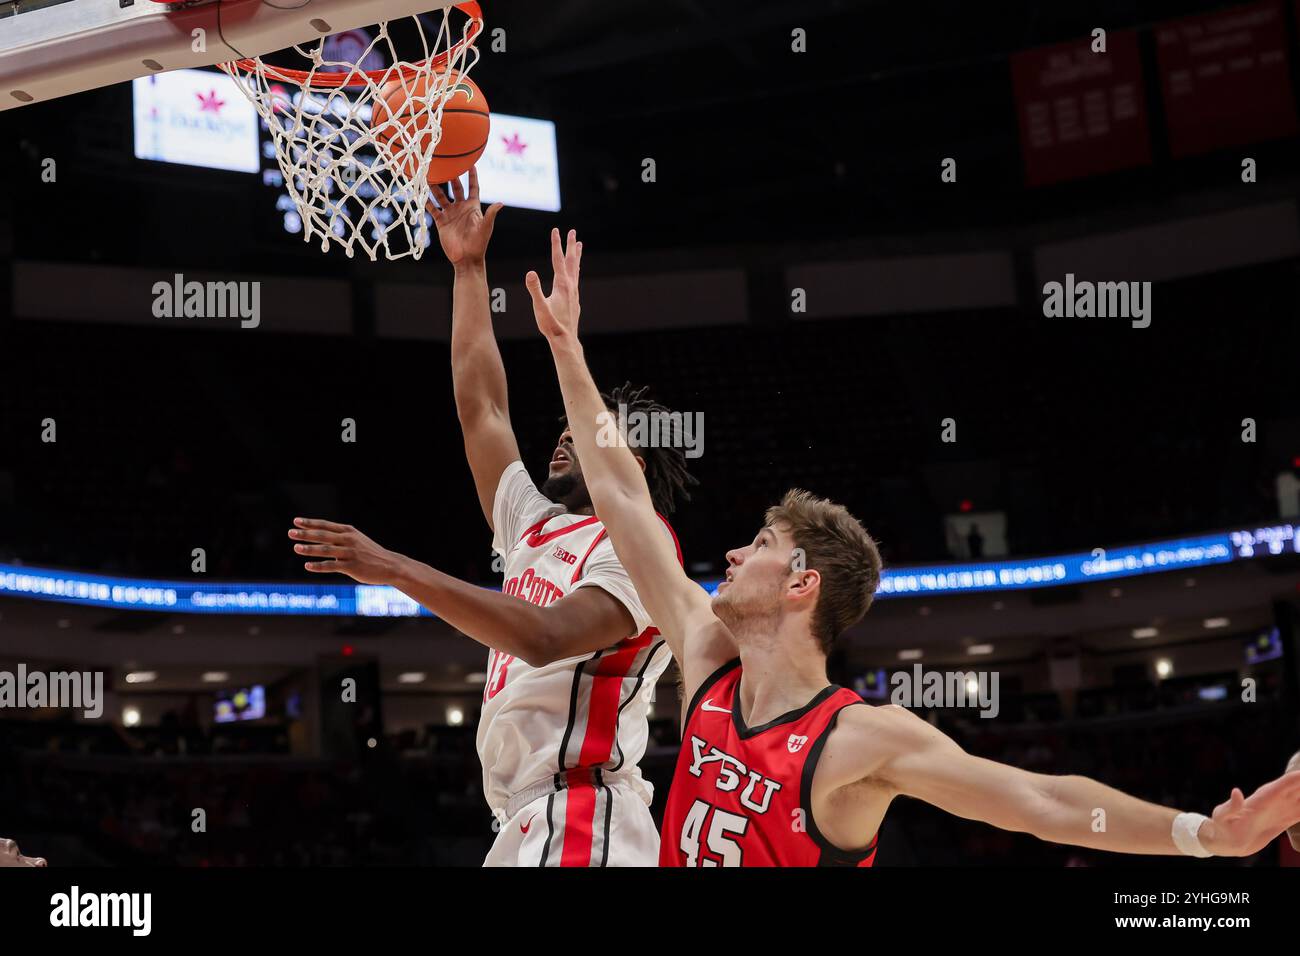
[332,80]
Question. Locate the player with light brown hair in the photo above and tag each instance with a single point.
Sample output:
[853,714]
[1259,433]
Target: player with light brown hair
[777,766]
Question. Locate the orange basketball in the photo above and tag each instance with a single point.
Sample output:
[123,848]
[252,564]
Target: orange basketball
[400,121]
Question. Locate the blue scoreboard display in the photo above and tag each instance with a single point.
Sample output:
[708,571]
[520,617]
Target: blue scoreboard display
[364,600]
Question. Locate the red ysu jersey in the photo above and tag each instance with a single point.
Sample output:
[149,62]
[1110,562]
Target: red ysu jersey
[742,796]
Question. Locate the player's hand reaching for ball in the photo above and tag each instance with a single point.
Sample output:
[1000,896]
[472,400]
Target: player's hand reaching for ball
[348,551]
[1242,826]
[463,227]
[557,313]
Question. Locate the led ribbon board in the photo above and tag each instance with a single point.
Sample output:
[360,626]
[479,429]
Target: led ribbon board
[365,600]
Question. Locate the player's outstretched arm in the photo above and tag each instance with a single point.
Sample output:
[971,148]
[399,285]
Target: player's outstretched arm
[583,622]
[477,373]
[1293,766]
[10,855]
[678,606]
[912,758]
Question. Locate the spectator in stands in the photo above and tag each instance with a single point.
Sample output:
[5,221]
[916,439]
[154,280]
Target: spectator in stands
[9,856]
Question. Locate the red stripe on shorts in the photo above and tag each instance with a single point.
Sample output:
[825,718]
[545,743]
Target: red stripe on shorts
[597,744]
[580,810]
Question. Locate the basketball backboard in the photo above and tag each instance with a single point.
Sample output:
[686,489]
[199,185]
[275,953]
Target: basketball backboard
[51,49]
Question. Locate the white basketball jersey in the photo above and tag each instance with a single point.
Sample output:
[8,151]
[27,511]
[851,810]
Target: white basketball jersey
[587,711]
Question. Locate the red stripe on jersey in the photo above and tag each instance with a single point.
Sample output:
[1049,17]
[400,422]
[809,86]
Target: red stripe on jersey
[580,810]
[581,564]
[599,537]
[606,688]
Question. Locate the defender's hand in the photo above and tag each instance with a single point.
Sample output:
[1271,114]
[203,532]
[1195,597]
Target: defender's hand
[1293,834]
[350,551]
[1242,826]
[463,228]
[557,313]
[10,856]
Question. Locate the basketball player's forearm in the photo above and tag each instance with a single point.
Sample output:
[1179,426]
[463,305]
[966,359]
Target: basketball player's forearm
[478,375]
[496,620]
[1293,834]
[1084,812]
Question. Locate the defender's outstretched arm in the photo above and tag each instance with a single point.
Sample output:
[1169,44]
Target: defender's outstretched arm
[678,606]
[10,855]
[1293,834]
[910,757]
[477,373]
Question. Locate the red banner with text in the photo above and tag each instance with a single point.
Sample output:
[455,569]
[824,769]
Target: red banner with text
[1225,78]
[1081,112]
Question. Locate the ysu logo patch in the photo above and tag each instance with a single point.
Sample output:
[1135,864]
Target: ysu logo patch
[729,779]
[796,742]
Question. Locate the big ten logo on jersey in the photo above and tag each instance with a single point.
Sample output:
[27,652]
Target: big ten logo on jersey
[568,557]
[533,588]
[730,772]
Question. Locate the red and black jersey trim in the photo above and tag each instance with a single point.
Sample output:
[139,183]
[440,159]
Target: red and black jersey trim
[573,708]
[708,685]
[609,812]
[831,855]
[640,679]
[746,732]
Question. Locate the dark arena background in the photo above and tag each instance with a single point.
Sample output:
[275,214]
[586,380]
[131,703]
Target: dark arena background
[841,257]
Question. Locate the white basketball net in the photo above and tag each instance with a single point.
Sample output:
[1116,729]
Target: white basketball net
[346,189]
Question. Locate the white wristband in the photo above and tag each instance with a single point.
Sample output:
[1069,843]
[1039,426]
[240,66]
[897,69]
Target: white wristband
[1187,827]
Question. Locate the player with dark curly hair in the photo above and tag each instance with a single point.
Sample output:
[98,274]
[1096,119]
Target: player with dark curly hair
[574,663]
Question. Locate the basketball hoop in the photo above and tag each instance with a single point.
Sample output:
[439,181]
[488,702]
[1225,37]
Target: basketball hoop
[346,188]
